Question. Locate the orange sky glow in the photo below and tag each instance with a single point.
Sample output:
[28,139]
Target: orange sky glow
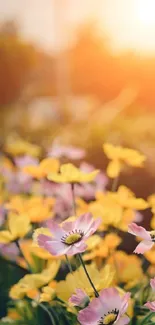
[129,24]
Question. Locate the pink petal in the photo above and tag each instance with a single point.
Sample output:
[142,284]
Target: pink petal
[42,239]
[76,249]
[93,313]
[79,298]
[143,247]
[111,298]
[150,305]
[152,283]
[83,222]
[139,231]
[55,229]
[123,320]
[93,227]
[124,304]
[56,248]
[68,226]
[88,316]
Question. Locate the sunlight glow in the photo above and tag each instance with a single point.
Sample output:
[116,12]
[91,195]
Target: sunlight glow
[145,12]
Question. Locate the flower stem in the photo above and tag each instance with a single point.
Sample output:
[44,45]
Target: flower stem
[115,184]
[69,264]
[73,198]
[20,250]
[87,274]
[49,314]
[145,319]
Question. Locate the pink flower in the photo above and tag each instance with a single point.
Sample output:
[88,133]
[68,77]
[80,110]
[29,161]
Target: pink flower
[150,305]
[147,236]
[23,161]
[69,152]
[152,283]
[10,251]
[69,238]
[108,308]
[79,299]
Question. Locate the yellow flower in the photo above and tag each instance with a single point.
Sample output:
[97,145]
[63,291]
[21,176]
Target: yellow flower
[121,156]
[71,174]
[118,207]
[21,147]
[102,247]
[31,250]
[13,314]
[18,227]
[126,198]
[150,255]
[48,292]
[36,208]
[128,268]
[151,200]
[106,208]
[34,281]
[101,279]
[46,166]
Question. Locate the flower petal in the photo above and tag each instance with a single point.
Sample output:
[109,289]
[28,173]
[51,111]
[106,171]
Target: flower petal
[93,227]
[56,248]
[139,231]
[152,283]
[143,247]
[77,248]
[124,304]
[150,305]
[55,229]
[84,221]
[88,317]
[79,298]
[123,320]
[111,298]
[42,239]
[91,314]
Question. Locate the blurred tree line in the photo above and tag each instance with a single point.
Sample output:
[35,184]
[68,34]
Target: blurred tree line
[26,71]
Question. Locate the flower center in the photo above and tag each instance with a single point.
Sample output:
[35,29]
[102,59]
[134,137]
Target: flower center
[152,234]
[110,318]
[72,239]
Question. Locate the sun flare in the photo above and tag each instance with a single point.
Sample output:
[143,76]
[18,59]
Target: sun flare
[145,12]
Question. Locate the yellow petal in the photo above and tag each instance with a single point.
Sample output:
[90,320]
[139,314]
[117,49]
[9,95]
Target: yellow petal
[114,168]
[5,237]
[50,165]
[19,225]
[34,171]
[113,152]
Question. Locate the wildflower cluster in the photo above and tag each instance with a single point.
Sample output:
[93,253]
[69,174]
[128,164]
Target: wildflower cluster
[63,229]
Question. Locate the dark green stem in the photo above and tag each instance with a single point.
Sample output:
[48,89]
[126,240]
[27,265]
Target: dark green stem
[145,319]
[69,264]
[49,314]
[87,274]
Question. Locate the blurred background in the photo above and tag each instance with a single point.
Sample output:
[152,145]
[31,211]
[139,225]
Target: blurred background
[82,73]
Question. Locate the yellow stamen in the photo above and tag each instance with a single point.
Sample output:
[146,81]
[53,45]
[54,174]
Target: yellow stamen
[109,319]
[72,239]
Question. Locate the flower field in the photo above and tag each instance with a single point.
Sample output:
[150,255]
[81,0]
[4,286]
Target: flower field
[67,236]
